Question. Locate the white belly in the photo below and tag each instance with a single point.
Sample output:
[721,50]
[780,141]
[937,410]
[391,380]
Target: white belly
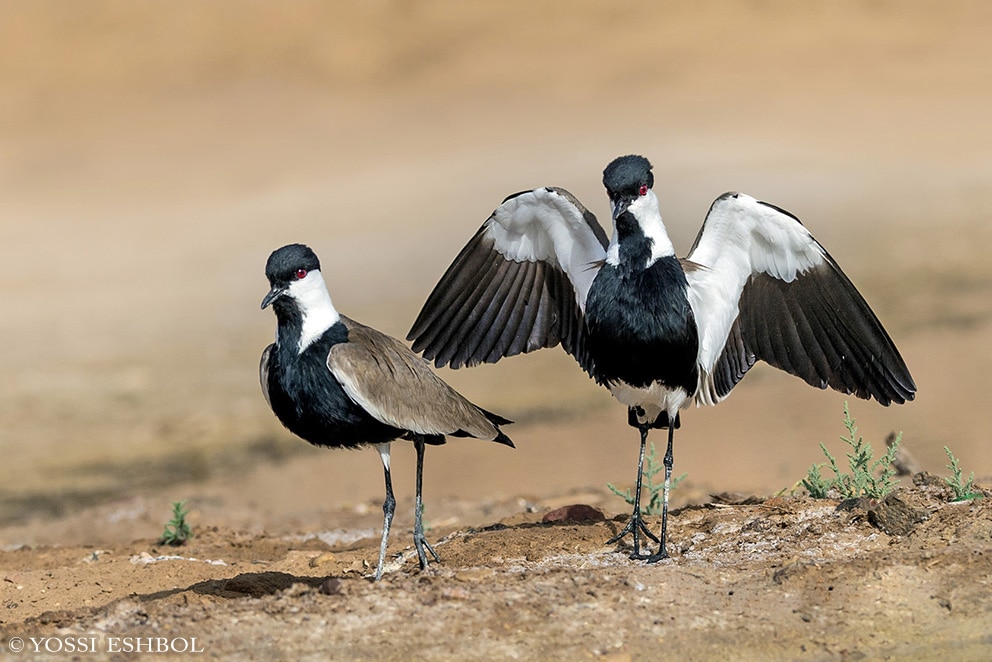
[652,399]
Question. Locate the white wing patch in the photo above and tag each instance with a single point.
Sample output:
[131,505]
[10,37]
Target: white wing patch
[741,237]
[543,225]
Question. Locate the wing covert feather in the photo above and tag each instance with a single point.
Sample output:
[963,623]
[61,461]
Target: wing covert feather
[398,388]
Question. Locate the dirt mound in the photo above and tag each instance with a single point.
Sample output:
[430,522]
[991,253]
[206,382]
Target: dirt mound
[777,578]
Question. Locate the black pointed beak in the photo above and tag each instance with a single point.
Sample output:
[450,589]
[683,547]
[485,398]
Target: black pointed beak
[273,294]
[619,205]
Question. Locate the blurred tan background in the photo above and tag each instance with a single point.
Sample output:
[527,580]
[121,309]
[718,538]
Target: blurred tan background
[153,154]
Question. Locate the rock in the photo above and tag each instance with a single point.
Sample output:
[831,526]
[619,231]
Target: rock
[893,515]
[578,512]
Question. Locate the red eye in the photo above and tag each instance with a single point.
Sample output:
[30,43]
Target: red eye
[301,274]
[644,189]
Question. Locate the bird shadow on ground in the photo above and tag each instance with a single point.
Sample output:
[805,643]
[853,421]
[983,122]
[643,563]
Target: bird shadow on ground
[249,584]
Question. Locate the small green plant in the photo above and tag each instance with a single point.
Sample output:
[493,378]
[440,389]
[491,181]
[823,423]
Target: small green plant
[177,531]
[815,483]
[862,481]
[962,491]
[652,467]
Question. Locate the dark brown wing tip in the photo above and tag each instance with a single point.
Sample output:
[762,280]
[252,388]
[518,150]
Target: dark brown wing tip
[503,439]
[900,398]
[498,420]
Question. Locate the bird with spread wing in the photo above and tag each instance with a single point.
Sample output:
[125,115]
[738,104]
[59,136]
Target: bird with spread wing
[658,331]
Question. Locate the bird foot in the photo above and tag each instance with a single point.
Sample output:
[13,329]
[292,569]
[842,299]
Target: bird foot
[657,556]
[420,542]
[635,527]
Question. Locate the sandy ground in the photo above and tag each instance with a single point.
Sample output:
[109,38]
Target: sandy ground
[150,159]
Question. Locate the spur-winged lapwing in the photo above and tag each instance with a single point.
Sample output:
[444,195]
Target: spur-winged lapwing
[338,383]
[658,331]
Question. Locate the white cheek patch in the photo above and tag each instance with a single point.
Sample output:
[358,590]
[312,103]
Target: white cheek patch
[648,215]
[645,210]
[316,307]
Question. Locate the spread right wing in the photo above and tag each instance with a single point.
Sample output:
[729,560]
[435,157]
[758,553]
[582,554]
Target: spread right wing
[763,288]
[520,284]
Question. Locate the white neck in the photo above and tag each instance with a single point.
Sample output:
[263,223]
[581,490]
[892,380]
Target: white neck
[315,304]
[648,214]
[645,210]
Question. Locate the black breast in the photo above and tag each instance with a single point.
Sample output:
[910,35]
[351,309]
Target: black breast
[640,326]
[308,400]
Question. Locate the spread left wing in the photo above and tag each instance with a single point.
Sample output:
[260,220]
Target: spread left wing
[520,284]
[761,287]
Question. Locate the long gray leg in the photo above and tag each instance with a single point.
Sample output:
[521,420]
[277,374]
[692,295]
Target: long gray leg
[419,541]
[669,461]
[635,525]
[388,508]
